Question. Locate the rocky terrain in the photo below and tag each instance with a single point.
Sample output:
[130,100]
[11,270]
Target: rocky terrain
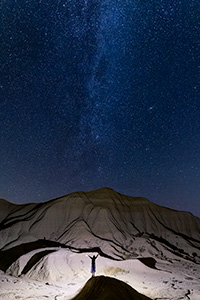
[139,242]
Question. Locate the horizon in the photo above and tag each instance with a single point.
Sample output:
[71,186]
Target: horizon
[98,189]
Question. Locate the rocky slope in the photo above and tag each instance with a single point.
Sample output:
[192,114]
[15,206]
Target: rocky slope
[119,226]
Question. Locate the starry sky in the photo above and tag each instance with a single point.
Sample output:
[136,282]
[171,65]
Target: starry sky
[100,93]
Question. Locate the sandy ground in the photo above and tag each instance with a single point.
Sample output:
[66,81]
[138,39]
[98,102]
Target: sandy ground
[62,274]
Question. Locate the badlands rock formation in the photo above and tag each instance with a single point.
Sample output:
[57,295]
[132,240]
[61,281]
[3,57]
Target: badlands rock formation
[119,226]
[154,249]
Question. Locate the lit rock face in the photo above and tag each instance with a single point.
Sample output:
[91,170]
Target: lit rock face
[120,226]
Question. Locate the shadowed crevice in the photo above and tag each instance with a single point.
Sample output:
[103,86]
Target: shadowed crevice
[35,259]
[7,257]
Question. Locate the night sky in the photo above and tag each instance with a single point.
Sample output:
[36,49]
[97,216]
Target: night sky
[100,94]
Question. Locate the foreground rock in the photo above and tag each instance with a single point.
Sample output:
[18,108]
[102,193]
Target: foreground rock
[104,288]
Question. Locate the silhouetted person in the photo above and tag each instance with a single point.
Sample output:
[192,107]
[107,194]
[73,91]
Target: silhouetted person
[93,266]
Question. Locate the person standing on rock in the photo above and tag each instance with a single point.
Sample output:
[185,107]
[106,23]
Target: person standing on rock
[93,265]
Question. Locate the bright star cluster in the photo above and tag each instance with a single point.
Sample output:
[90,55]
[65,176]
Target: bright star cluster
[100,93]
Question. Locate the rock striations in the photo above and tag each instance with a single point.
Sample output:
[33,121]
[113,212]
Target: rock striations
[118,226]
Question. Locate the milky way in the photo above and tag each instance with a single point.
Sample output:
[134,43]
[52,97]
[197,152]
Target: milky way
[100,93]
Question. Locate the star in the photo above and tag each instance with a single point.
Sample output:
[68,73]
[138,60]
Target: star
[100,93]
[151,108]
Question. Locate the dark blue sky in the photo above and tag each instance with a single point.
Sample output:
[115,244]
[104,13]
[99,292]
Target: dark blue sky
[100,93]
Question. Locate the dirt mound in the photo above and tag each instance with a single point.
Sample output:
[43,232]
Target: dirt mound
[106,288]
[7,257]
